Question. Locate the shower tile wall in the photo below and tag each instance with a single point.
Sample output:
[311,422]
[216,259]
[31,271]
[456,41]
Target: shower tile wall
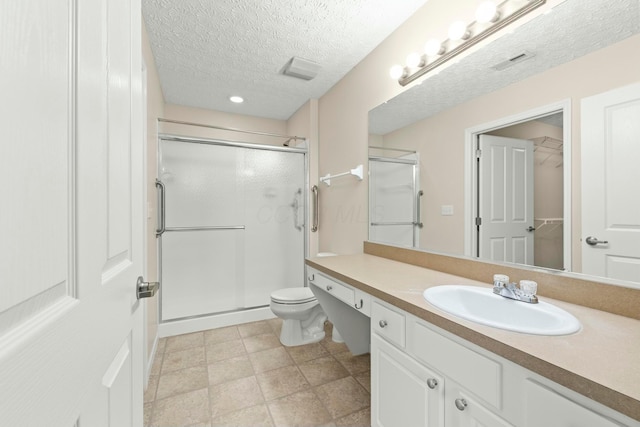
[242,376]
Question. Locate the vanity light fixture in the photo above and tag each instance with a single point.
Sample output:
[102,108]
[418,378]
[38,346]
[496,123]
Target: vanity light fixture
[236,99]
[490,18]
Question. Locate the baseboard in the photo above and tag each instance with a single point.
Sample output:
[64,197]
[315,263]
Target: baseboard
[178,327]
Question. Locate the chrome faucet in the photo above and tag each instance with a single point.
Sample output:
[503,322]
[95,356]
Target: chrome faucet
[525,293]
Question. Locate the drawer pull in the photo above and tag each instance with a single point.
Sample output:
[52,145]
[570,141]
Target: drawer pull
[329,287]
[432,383]
[461,404]
[361,304]
[382,323]
[312,277]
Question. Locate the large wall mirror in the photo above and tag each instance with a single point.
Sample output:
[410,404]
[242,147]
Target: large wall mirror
[491,144]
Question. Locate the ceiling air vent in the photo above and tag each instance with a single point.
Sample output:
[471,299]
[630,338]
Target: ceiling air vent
[516,59]
[301,68]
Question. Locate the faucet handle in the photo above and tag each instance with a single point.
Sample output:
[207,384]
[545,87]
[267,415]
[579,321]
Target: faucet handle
[500,280]
[528,287]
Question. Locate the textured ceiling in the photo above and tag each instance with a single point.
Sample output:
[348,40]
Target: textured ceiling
[207,50]
[573,29]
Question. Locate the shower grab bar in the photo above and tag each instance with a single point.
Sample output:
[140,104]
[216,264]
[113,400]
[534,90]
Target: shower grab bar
[162,228]
[314,226]
[418,219]
[207,228]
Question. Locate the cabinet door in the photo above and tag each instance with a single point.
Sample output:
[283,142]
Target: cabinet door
[545,407]
[403,392]
[464,411]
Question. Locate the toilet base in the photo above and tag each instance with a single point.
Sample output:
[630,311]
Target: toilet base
[293,334]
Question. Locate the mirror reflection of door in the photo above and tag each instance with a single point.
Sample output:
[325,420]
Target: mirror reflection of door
[611,184]
[522,215]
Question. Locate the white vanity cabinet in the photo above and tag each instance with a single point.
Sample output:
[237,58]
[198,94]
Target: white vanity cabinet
[422,391]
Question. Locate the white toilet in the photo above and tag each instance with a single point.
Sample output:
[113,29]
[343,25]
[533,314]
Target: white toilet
[303,318]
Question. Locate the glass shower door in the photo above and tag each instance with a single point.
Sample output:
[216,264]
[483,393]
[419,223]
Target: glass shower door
[231,233]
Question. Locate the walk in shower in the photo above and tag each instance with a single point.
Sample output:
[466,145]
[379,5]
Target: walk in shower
[231,226]
[394,197]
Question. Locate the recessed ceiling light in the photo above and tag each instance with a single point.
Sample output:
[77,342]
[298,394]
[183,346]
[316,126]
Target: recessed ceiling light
[236,99]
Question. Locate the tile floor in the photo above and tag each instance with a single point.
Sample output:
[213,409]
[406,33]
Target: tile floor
[242,376]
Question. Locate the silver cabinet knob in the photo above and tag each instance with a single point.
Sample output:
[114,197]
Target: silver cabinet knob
[382,323]
[432,383]
[461,404]
[329,287]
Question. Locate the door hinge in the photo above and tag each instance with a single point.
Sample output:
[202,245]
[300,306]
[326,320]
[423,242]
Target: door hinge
[478,221]
[478,153]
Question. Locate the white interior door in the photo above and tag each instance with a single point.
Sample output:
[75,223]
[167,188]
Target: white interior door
[611,183]
[71,216]
[505,197]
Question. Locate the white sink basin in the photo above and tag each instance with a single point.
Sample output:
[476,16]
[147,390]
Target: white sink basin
[481,305]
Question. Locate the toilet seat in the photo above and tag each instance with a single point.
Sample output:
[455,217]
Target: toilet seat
[292,296]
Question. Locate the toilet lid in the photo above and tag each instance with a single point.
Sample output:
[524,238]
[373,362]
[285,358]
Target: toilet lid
[293,295]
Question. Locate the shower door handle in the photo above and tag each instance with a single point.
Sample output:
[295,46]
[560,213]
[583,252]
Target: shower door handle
[314,191]
[161,224]
[418,219]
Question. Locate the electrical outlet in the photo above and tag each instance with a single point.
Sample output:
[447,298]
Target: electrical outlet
[446,210]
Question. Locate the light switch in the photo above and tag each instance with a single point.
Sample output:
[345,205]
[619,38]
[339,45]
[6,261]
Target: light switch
[446,210]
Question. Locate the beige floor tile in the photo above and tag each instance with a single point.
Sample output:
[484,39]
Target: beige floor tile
[254,328]
[224,350]
[254,416]
[156,366]
[343,396]
[364,378]
[183,342]
[358,419]
[183,359]
[147,411]
[230,369]
[276,325]
[333,347]
[215,336]
[182,381]
[354,364]
[268,360]
[234,395]
[299,409]
[322,370]
[261,342]
[150,392]
[182,409]
[281,382]
[304,353]
[162,345]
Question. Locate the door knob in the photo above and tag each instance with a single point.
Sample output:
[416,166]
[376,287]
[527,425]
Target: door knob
[146,289]
[531,228]
[594,241]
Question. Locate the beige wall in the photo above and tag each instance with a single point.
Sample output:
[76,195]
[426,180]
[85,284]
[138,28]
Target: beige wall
[440,139]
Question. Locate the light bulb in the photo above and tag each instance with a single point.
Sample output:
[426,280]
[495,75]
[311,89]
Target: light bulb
[413,60]
[487,12]
[433,47]
[236,99]
[458,30]
[396,72]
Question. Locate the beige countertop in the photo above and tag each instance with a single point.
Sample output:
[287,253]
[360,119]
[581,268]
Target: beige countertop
[601,361]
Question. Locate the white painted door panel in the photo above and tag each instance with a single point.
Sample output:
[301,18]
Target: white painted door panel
[611,183]
[506,199]
[71,164]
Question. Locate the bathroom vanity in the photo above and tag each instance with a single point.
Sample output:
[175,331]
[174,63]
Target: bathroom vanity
[429,368]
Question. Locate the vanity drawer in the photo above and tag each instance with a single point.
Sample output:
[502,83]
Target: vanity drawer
[479,374]
[338,290]
[388,323]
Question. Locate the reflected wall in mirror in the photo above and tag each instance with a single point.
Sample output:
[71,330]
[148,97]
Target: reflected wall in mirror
[580,50]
